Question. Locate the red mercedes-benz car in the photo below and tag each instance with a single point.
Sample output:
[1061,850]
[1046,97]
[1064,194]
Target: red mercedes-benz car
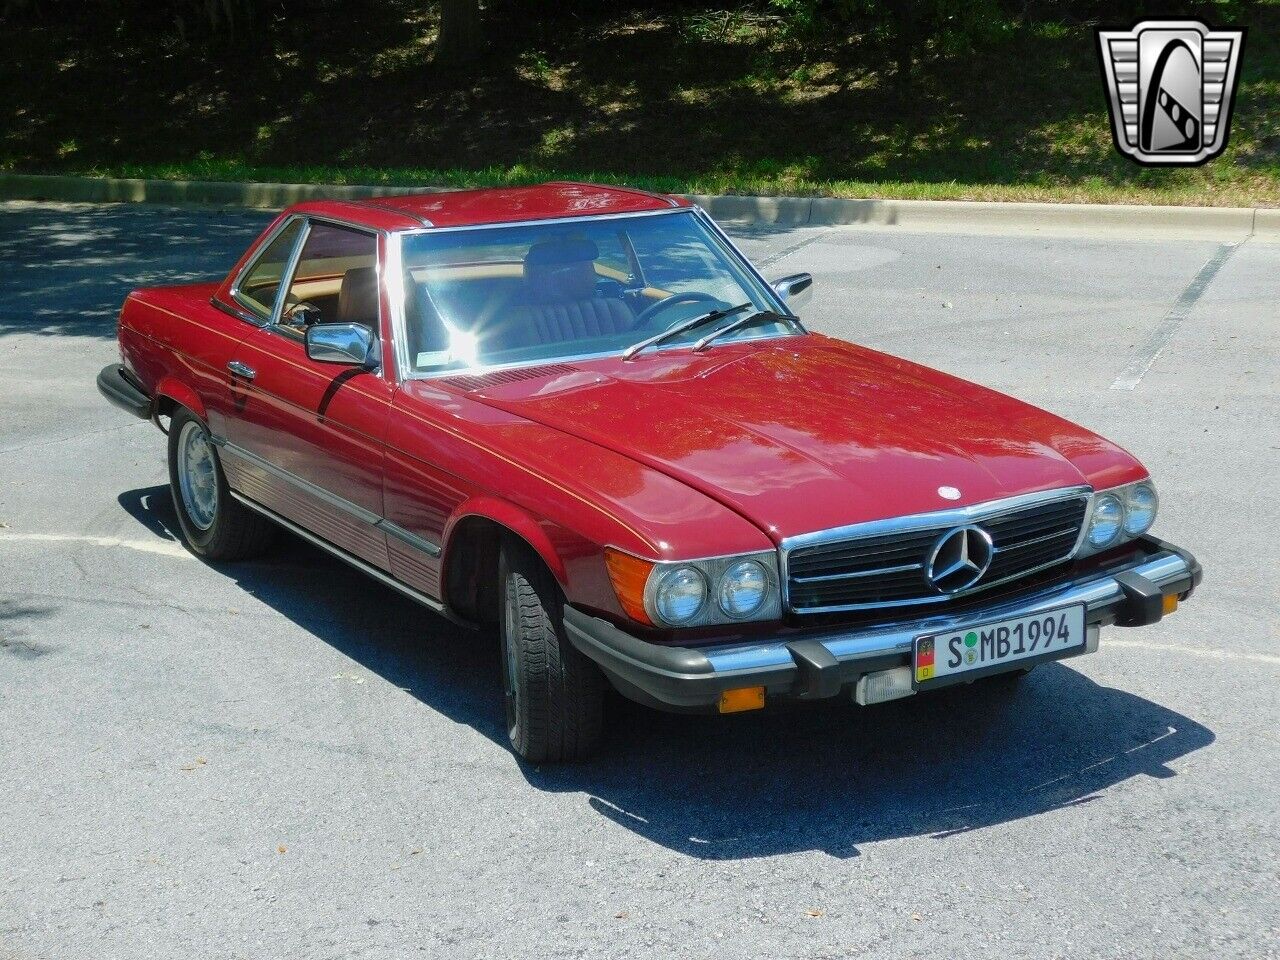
[580,416]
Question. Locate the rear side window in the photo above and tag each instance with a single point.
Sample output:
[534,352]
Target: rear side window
[257,290]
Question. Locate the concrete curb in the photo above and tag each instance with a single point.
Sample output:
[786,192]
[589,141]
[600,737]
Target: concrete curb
[1221,223]
[264,196]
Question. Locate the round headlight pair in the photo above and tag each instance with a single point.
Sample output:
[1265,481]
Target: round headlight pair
[1132,509]
[680,594]
[740,591]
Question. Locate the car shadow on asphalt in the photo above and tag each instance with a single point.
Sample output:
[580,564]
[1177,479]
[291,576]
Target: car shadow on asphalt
[828,776]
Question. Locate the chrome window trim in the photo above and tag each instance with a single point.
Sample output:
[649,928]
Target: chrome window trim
[291,268]
[733,250]
[349,224]
[395,293]
[539,221]
[942,519]
[243,315]
[393,283]
[519,364]
[248,303]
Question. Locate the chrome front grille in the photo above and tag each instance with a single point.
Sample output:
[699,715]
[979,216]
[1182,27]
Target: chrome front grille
[885,563]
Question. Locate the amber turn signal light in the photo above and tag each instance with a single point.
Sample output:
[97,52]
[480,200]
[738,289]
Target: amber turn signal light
[629,575]
[1170,603]
[743,698]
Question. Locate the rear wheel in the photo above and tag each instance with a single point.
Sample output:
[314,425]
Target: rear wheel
[554,695]
[214,525]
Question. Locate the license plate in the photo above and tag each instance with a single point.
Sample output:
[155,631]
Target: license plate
[988,647]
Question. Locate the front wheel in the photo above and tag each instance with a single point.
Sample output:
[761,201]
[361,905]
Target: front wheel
[214,525]
[554,695]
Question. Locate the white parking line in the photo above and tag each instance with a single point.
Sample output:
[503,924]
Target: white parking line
[165,548]
[1207,653]
[1145,356]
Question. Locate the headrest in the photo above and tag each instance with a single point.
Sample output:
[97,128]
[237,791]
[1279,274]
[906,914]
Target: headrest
[563,250]
[358,297]
[560,271]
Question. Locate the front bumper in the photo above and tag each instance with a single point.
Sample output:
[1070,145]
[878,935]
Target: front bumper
[824,662]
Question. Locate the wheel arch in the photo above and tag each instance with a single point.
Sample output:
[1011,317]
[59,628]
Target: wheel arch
[469,562]
[171,391]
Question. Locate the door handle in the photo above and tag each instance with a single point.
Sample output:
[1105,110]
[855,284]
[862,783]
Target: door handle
[242,369]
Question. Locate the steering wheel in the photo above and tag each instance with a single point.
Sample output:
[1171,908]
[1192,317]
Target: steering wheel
[645,320]
[301,314]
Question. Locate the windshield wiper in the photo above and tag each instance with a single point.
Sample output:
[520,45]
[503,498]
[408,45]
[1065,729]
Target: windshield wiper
[684,325]
[750,320]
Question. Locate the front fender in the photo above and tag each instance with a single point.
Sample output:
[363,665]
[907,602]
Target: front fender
[519,521]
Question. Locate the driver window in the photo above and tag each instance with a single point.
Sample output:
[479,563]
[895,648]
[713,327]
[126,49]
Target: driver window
[336,280]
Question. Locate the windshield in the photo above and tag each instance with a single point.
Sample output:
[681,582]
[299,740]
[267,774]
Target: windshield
[537,292]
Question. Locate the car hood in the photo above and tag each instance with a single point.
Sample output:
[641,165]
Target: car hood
[806,433]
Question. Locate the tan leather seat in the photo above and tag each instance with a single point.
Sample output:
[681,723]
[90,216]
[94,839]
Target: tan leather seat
[560,301]
[358,297]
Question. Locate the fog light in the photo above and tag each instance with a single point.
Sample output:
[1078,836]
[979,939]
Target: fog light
[1170,603]
[883,685]
[743,698]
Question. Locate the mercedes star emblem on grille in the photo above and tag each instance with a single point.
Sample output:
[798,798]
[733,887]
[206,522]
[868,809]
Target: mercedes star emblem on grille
[959,559]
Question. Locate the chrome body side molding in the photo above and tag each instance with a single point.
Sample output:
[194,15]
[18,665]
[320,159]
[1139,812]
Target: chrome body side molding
[410,538]
[407,537]
[356,562]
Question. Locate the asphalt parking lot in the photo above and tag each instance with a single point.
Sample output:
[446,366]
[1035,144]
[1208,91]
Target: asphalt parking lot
[284,759]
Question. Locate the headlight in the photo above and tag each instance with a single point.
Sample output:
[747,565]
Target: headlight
[1120,514]
[680,595]
[1140,505]
[1107,519]
[742,589]
[697,593]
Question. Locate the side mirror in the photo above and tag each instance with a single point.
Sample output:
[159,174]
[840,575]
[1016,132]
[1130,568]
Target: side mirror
[794,290]
[352,344]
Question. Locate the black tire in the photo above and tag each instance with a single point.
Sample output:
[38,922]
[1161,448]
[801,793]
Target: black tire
[554,695]
[235,533]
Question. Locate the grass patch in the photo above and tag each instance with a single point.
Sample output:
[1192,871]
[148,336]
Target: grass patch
[1233,192]
[691,102]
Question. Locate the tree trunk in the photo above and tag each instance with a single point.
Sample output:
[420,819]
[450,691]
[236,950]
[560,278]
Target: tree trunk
[460,35]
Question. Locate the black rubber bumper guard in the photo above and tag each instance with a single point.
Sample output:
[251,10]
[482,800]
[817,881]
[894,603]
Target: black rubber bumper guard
[117,385]
[684,678]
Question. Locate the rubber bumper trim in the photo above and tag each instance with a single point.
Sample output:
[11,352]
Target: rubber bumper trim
[673,676]
[115,384]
